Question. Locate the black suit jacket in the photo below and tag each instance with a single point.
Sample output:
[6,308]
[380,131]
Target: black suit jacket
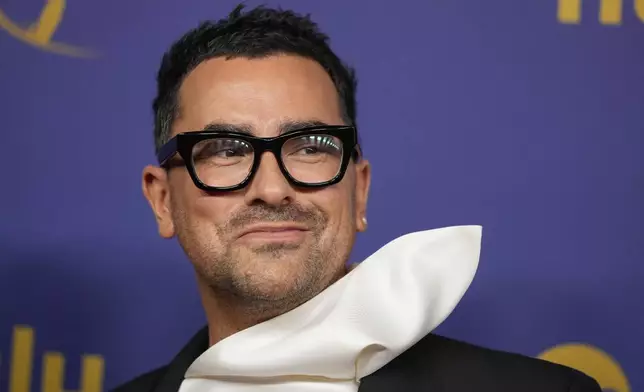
[435,364]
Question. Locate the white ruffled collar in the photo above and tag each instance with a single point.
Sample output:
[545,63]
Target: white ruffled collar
[356,326]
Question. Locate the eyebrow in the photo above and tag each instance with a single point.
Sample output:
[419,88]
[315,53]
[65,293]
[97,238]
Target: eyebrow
[284,128]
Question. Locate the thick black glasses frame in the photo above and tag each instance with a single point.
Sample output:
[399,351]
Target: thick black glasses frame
[183,144]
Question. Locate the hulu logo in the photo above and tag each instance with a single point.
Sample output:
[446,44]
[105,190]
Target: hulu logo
[53,367]
[610,11]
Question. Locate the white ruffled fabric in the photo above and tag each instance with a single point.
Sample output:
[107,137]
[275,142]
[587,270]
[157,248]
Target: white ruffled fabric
[354,327]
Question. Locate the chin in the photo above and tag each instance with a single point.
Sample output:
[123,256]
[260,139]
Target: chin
[274,279]
[279,277]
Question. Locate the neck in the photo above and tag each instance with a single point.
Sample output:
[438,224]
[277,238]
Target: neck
[228,314]
[222,324]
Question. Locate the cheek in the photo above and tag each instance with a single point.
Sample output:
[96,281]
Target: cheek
[212,210]
[339,235]
[338,204]
[197,209]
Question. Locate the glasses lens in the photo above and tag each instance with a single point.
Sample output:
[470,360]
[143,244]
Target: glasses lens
[222,162]
[313,159]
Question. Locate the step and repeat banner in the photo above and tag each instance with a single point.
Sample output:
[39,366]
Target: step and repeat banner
[526,117]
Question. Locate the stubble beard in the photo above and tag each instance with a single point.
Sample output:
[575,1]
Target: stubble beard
[236,274]
[243,276]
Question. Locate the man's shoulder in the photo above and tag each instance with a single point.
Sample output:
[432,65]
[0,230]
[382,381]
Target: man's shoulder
[459,364]
[169,377]
[144,382]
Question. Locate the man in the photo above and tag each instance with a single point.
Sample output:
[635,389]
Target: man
[263,182]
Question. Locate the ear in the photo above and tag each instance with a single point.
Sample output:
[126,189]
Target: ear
[157,190]
[363,181]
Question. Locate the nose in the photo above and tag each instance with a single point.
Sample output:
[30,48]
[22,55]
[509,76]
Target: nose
[269,186]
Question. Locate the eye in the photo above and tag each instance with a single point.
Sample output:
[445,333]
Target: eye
[228,153]
[221,150]
[314,144]
[309,150]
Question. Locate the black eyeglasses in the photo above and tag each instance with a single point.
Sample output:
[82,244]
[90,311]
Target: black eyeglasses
[311,157]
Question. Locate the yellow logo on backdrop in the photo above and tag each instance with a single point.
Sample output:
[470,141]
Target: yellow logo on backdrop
[53,367]
[610,11]
[592,361]
[40,32]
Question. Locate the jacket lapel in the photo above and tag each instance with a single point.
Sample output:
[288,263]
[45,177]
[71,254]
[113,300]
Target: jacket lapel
[176,370]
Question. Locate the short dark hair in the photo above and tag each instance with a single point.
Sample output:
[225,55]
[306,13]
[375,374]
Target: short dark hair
[257,33]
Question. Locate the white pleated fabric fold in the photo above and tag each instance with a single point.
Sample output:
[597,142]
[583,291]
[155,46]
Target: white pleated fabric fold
[356,326]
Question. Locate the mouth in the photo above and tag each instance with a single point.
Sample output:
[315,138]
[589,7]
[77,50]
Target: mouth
[273,233]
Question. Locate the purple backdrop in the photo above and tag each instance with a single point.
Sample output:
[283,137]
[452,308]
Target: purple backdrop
[510,114]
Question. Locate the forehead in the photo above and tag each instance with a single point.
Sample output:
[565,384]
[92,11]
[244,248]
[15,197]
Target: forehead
[260,93]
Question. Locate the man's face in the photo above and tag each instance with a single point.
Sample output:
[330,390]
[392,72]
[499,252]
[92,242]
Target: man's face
[287,266]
